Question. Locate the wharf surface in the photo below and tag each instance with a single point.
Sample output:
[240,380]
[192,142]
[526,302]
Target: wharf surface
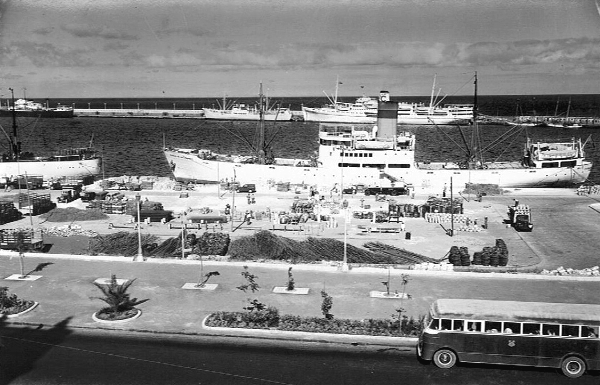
[566,225]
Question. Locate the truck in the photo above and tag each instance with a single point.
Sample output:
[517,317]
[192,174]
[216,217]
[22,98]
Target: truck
[394,191]
[30,239]
[246,188]
[519,217]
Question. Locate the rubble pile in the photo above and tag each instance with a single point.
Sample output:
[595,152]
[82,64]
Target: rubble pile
[68,230]
[593,271]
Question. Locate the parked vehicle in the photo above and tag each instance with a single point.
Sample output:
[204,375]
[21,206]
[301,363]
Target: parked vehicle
[540,334]
[247,188]
[519,217]
[88,196]
[386,191]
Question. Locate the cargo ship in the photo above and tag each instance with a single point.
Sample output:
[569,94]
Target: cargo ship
[69,163]
[381,156]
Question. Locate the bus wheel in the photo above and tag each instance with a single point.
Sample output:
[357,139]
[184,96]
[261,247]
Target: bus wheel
[573,367]
[444,358]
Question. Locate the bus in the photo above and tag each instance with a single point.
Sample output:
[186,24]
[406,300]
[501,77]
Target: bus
[556,335]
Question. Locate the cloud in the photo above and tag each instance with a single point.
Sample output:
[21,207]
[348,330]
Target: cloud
[85,30]
[582,51]
[187,30]
[43,31]
[42,55]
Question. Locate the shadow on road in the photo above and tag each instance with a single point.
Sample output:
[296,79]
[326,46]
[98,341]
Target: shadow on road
[22,347]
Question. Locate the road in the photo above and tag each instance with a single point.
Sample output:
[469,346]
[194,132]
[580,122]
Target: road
[75,356]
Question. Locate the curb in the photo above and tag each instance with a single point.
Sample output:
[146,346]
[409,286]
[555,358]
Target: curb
[311,267]
[350,339]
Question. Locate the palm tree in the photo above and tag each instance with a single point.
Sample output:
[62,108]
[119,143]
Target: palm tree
[117,298]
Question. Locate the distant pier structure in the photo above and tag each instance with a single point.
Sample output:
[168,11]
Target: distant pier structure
[558,121]
[138,113]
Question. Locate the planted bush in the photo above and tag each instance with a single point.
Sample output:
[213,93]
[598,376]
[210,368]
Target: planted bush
[408,327]
[11,304]
[120,303]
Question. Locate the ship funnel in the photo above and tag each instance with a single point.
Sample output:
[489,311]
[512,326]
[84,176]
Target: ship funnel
[387,116]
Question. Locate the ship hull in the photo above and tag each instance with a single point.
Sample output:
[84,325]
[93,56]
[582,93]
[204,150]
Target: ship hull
[426,120]
[323,116]
[188,167]
[211,114]
[51,169]
[331,116]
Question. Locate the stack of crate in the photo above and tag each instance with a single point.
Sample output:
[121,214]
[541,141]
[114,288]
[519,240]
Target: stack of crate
[8,212]
[113,207]
[40,203]
[31,239]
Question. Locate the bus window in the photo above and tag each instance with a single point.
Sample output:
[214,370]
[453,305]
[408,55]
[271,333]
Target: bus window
[550,330]
[474,326]
[435,324]
[458,325]
[529,328]
[493,327]
[569,331]
[589,331]
[446,324]
[512,328]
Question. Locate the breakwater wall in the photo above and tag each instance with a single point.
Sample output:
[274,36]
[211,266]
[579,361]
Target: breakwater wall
[583,121]
[138,113]
[148,113]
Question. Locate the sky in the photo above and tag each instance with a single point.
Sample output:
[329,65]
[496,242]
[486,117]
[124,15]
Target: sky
[215,48]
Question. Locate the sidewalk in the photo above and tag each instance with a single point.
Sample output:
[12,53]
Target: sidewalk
[65,291]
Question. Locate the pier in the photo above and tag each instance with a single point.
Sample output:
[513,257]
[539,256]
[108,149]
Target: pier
[138,113]
[557,120]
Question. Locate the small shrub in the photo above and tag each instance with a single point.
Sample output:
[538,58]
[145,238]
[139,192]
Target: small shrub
[250,281]
[11,304]
[326,305]
[290,283]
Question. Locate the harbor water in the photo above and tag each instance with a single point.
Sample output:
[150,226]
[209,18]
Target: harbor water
[134,146]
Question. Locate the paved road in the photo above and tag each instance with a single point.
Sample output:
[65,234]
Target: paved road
[65,356]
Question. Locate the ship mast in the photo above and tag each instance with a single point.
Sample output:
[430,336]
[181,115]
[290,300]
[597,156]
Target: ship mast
[475,107]
[15,145]
[432,92]
[261,128]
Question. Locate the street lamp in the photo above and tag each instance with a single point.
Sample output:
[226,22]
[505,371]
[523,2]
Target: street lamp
[344,266]
[140,255]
